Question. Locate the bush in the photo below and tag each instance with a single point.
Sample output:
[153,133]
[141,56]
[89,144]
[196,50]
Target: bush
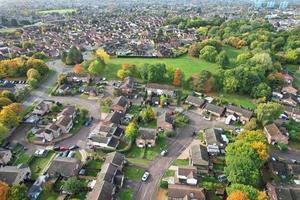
[170,133]
[282,147]
[163,184]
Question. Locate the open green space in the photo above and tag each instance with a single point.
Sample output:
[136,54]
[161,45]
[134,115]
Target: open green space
[181,162]
[239,100]
[22,158]
[133,173]
[37,164]
[59,11]
[187,64]
[126,194]
[139,162]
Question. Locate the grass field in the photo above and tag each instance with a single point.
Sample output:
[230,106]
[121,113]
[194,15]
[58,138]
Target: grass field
[187,64]
[59,11]
[126,194]
[133,173]
[239,100]
[38,164]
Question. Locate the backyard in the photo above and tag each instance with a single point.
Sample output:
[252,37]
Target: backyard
[133,173]
[93,167]
[37,164]
[126,194]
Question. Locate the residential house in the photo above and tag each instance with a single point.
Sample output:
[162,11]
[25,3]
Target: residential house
[185,192]
[5,156]
[109,179]
[195,101]
[278,168]
[78,77]
[292,112]
[106,136]
[113,118]
[274,135]
[215,141]
[36,189]
[69,111]
[65,123]
[159,89]
[128,86]
[63,89]
[279,192]
[289,89]
[294,169]
[186,175]
[120,104]
[64,166]
[146,137]
[244,114]
[43,107]
[215,110]
[289,99]
[199,158]
[286,77]
[166,121]
[15,174]
[102,190]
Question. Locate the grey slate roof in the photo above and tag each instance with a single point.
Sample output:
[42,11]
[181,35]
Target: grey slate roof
[214,108]
[64,166]
[213,136]
[245,113]
[199,155]
[195,101]
[146,134]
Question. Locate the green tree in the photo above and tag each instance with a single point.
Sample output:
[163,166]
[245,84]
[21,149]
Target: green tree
[96,67]
[3,132]
[17,192]
[194,51]
[209,53]
[261,90]
[33,73]
[268,112]
[4,102]
[74,56]
[222,59]
[147,114]
[34,83]
[73,185]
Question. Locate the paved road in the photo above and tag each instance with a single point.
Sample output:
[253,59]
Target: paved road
[147,190]
[288,156]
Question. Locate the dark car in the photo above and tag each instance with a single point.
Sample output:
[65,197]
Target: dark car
[56,148]
[73,147]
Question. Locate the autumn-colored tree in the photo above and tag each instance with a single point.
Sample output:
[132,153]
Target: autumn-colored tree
[10,115]
[131,130]
[177,77]
[237,195]
[4,101]
[262,196]
[78,69]
[261,148]
[4,188]
[33,73]
[102,55]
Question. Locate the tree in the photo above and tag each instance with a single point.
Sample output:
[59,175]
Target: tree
[222,59]
[9,115]
[17,192]
[209,53]
[37,64]
[162,100]
[200,82]
[3,132]
[131,131]
[242,163]
[230,84]
[261,90]
[34,83]
[4,102]
[33,74]
[251,125]
[102,55]
[178,76]
[96,67]
[72,57]
[194,51]
[73,185]
[268,112]
[147,114]
[202,31]
[78,69]
[8,94]
[243,57]
[4,188]
[248,190]
[237,195]
[262,60]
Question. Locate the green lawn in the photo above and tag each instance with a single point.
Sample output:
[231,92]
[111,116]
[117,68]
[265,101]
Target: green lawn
[139,162]
[22,158]
[48,195]
[93,167]
[152,124]
[181,162]
[161,144]
[60,11]
[187,64]
[134,110]
[169,173]
[239,100]
[126,194]
[133,173]
[135,152]
[38,164]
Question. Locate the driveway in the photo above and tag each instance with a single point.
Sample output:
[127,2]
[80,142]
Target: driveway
[288,155]
[147,190]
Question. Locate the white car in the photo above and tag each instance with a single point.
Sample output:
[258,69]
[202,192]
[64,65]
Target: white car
[145,176]
[164,152]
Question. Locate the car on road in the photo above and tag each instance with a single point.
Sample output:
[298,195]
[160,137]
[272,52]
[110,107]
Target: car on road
[88,122]
[56,148]
[164,152]
[73,147]
[145,176]
[62,148]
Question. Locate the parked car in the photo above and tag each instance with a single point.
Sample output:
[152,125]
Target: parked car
[56,148]
[145,176]
[164,152]
[82,172]
[62,148]
[222,178]
[73,147]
